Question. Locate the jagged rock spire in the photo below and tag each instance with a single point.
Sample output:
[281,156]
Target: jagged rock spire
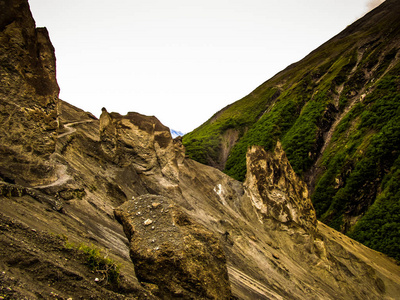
[275,189]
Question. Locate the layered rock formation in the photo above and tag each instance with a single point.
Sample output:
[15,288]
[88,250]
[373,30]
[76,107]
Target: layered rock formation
[125,165]
[28,96]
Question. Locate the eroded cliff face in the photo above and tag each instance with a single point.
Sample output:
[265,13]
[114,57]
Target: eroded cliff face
[213,236]
[28,96]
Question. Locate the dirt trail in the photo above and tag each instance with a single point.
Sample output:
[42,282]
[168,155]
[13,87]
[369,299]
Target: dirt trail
[70,129]
[62,178]
[61,171]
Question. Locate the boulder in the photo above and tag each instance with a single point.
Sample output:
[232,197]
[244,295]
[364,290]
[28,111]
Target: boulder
[172,254]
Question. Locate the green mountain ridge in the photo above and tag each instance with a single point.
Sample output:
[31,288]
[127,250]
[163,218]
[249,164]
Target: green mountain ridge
[337,115]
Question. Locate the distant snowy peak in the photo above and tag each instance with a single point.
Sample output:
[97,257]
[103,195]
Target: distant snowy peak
[176,133]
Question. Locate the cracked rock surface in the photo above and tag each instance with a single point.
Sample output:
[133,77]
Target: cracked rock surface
[163,237]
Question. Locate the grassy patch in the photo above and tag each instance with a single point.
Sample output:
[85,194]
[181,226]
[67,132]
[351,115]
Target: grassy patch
[99,262]
[301,138]
[380,226]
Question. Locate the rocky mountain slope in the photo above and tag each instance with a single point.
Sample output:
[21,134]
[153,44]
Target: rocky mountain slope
[113,208]
[336,113]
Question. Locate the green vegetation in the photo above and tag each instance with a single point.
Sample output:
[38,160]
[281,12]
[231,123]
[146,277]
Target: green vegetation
[300,140]
[204,143]
[379,229]
[264,133]
[364,146]
[99,262]
[294,119]
[355,77]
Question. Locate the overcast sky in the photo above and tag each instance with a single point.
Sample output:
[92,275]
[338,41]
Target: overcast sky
[181,60]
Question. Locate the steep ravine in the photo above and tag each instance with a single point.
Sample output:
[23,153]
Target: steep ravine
[313,173]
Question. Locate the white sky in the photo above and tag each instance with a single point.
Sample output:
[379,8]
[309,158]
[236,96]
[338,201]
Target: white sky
[181,60]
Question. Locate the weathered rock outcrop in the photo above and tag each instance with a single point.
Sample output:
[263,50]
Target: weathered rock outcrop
[28,96]
[139,140]
[275,189]
[173,255]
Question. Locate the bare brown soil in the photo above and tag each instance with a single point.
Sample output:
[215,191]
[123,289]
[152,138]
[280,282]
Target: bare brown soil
[36,263]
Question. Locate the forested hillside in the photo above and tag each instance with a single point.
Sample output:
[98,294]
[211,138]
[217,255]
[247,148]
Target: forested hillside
[337,114]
